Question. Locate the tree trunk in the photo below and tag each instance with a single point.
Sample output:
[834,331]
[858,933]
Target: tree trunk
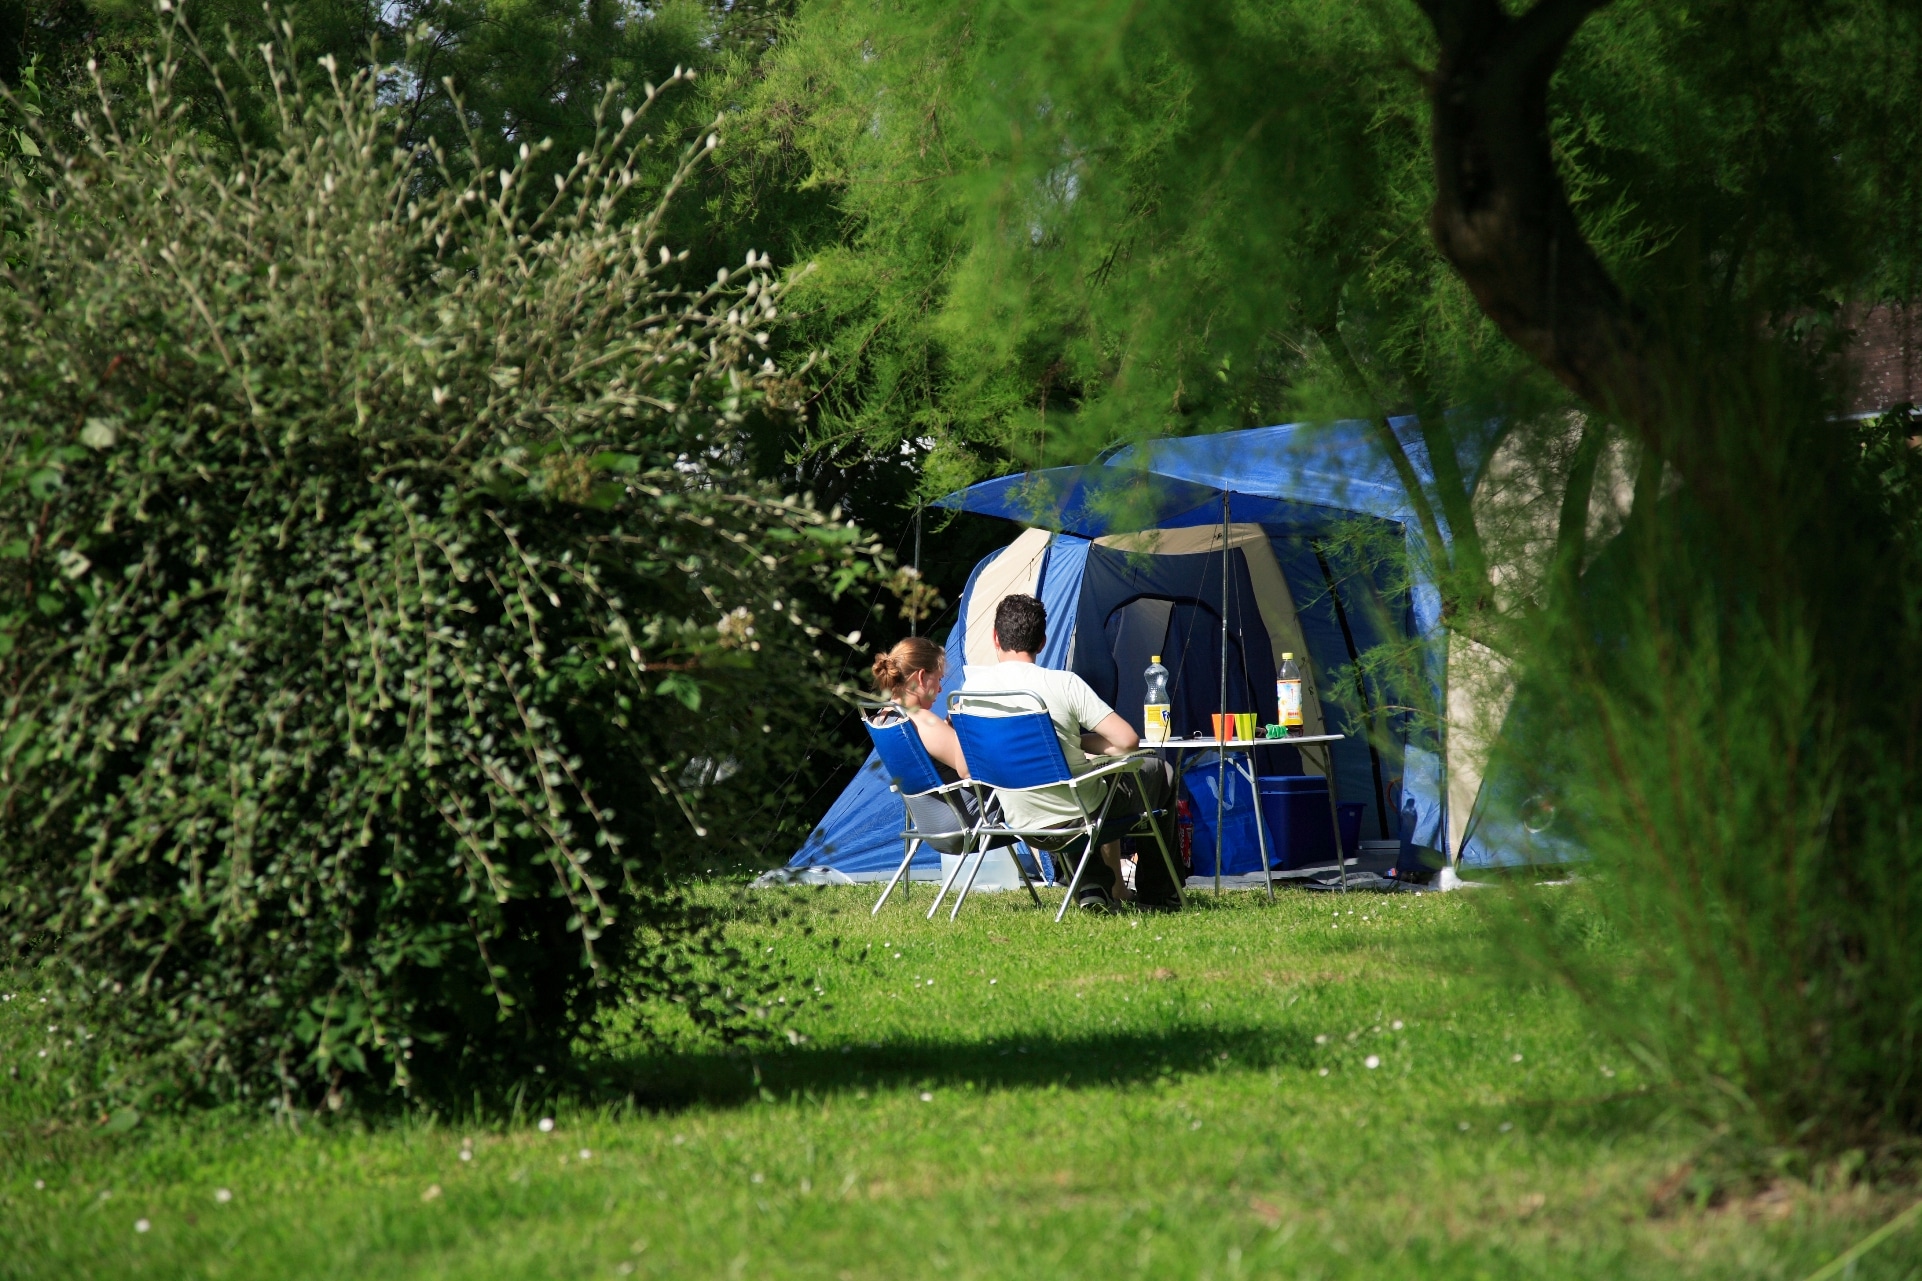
[1502,219]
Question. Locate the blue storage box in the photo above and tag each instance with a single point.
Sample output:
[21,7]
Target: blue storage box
[1294,808]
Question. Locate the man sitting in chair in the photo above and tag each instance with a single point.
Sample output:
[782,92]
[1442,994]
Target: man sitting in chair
[1084,725]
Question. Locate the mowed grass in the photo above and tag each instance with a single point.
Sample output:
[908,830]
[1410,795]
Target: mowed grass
[1168,1096]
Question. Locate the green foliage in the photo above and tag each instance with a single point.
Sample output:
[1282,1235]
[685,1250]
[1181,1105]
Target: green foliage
[1722,728]
[387,611]
[1063,225]
[1070,224]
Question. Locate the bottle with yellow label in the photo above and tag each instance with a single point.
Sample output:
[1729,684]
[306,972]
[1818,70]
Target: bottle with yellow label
[1156,710]
[1288,694]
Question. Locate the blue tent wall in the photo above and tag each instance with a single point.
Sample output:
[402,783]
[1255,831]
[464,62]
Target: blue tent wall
[1060,589]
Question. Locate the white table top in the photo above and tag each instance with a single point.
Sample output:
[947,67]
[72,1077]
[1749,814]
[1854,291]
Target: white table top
[1234,744]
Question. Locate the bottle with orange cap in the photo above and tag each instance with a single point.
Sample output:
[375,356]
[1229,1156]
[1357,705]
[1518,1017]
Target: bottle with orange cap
[1288,695]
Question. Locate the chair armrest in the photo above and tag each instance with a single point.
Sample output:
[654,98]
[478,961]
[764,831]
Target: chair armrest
[1130,763]
[948,789]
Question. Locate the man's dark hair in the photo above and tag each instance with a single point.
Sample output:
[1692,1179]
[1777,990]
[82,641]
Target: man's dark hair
[1021,623]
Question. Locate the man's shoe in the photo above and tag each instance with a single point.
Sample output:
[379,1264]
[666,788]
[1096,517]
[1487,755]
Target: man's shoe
[1092,898]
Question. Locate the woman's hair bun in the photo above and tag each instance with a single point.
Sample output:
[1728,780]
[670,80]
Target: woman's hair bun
[915,654]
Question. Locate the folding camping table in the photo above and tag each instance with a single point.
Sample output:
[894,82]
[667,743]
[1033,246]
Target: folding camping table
[1245,747]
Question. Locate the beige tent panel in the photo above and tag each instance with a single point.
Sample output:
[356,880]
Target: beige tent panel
[1480,687]
[1015,572]
[1276,602]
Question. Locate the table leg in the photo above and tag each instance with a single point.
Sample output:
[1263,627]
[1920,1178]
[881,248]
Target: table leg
[1261,828]
[1334,814]
[1221,804]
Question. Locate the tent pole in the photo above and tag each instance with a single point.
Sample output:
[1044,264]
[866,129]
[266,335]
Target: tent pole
[914,619]
[1221,734]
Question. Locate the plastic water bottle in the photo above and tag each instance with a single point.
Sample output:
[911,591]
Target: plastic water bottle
[1288,694]
[1156,711]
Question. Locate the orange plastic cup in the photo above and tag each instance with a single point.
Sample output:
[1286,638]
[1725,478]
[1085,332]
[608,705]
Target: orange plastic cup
[1235,727]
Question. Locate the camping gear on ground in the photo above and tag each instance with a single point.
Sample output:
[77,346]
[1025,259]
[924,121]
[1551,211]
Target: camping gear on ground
[1288,693]
[1155,708]
[1294,818]
[946,817]
[1245,840]
[1351,812]
[1011,745]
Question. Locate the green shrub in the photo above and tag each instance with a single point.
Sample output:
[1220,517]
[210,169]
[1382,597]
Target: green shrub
[1724,728]
[387,612]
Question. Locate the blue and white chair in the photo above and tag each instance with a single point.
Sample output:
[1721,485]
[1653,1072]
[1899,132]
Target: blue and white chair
[1012,746]
[946,817]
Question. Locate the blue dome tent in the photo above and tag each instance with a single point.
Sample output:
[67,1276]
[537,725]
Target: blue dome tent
[1127,556]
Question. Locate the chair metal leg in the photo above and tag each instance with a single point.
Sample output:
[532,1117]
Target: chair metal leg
[1261,829]
[914,844]
[1022,871]
[947,884]
[980,857]
[1075,880]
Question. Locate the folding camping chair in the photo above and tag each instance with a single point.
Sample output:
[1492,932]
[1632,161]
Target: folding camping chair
[946,817]
[1011,745]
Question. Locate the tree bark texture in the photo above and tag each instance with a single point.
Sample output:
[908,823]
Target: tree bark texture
[1502,217]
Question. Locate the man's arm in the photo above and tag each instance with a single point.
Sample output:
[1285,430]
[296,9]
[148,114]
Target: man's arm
[1112,736]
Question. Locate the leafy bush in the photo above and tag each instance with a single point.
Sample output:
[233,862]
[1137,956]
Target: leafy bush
[1724,727]
[386,609]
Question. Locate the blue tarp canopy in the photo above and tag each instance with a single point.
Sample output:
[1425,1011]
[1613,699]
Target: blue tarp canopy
[1089,501]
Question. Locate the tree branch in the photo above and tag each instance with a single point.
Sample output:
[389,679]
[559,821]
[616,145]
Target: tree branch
[1571,532]
[1502,218]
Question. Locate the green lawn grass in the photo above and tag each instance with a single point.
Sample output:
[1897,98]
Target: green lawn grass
[1179,1096]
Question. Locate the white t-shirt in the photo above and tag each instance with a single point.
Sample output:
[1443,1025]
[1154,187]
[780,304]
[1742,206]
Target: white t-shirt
[1074,708]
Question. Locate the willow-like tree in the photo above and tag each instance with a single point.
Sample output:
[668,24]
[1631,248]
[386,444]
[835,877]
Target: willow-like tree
[1628,235]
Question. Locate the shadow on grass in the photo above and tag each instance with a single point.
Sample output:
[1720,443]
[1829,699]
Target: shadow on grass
[674,1081]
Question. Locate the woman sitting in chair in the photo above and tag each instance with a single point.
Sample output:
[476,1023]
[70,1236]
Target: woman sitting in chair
[910,675]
